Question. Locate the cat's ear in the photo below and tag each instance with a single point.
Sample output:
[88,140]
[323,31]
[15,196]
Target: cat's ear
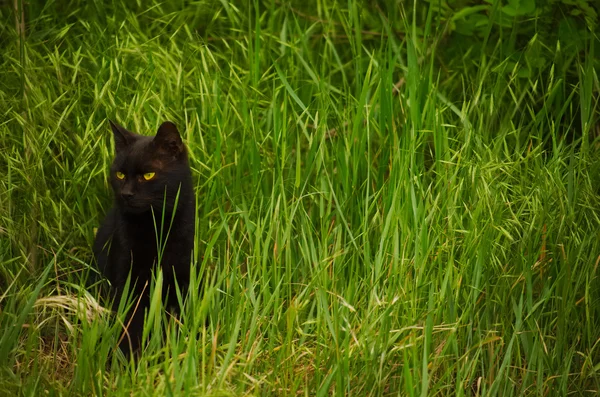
[123,137]
[168,140]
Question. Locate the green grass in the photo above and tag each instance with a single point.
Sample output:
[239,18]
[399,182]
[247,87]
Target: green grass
[383,207]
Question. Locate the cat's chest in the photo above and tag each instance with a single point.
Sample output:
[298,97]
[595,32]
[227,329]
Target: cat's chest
[140,239]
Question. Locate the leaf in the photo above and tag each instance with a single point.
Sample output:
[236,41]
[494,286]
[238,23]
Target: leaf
[519,7]
[469,10]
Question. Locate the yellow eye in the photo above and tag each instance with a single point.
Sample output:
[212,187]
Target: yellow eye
[148,175]
[120,175]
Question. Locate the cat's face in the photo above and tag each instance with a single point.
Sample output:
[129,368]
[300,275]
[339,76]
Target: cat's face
[147,170]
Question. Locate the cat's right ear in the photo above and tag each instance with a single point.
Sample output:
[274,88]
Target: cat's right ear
[123,137]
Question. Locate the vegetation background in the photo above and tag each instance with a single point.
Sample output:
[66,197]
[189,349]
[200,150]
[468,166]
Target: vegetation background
[394,197]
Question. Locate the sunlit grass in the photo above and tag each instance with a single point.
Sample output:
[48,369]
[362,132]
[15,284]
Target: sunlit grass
[370,220]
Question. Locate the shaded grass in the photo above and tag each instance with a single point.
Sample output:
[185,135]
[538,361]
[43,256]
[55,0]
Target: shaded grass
[440,237]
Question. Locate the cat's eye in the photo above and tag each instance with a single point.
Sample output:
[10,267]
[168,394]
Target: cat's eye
[120,175]
[148,175]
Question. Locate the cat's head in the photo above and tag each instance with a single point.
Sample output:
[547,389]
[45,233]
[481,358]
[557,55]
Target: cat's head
[148,169]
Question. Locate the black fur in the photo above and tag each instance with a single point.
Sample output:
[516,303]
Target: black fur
[126,241]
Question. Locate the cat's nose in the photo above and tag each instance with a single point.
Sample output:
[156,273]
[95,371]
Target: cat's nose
[127,195]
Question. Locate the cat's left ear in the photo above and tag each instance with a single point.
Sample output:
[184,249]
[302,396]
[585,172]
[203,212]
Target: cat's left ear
[123,137]
[167,139]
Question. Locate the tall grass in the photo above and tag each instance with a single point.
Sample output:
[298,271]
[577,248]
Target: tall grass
[375,215]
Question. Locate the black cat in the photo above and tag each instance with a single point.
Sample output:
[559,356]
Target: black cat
[152,184]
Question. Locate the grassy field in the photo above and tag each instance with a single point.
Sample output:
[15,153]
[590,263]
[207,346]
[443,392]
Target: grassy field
[384,206]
